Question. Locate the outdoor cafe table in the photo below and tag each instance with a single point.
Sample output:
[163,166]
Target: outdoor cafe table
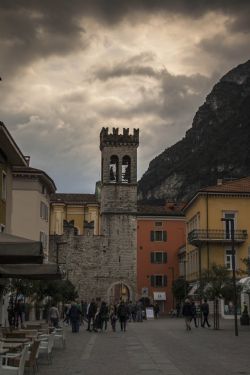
[29,334]
[16,340]
[12,346]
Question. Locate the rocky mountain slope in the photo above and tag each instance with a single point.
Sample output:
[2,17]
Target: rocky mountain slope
[217,145]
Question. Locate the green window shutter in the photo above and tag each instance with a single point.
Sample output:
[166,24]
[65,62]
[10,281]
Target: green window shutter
[165,280]
[164,236]
[165,257]
[152,235]
[152,280]
[152,257]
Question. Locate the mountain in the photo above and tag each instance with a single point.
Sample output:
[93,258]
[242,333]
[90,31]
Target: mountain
[216,146]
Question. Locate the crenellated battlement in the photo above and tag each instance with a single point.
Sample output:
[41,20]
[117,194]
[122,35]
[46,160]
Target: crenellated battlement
[116,139]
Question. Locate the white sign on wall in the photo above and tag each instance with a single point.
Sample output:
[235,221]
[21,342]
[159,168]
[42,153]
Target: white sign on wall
[159,296]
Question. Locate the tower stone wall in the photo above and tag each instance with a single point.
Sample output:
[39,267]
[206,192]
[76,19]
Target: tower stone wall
[95,264]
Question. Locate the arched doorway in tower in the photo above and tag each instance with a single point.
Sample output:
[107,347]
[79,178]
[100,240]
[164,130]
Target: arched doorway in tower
[119,291]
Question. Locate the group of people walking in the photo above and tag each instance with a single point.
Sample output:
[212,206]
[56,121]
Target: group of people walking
[98,317]
[189,312]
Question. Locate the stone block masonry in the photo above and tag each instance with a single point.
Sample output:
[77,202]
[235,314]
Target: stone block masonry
[95,263]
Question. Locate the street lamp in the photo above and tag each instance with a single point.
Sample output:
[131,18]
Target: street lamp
[231,221]
[172,270]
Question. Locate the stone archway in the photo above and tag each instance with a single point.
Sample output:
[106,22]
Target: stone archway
[119,290]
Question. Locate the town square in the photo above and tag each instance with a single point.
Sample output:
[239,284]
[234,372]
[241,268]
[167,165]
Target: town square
[124,187]
[153,347]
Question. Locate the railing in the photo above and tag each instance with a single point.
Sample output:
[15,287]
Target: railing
[215,235]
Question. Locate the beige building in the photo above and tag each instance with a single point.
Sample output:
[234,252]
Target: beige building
[80,210]
[31,204]
[10,155]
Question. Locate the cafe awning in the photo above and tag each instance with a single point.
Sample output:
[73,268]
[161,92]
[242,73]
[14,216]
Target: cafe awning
[48,271]
[15,250]
[245,283]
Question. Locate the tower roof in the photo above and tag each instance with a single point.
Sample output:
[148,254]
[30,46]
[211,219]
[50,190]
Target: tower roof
[115,139]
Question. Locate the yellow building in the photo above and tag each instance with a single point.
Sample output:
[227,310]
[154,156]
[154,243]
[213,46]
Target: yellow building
[209,239]
[78,210]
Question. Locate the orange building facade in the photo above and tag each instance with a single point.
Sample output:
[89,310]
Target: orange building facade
[160,234]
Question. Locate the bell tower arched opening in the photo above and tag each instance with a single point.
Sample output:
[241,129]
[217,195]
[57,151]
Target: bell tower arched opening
[114,169]
[126,169]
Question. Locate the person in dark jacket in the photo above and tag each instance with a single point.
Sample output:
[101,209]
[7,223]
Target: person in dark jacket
[74,316]
[205,312]
[91,312]
[194,314]
[187,313]
[156,310]
[113,316]
[104,315]
[123,313]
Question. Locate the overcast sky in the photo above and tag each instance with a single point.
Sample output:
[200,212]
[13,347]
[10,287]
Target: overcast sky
[70,67]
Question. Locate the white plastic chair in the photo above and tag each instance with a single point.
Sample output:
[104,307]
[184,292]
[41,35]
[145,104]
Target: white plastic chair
[5,369]
[60,336]
[46,346]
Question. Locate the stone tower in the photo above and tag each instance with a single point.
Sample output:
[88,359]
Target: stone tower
[119,208]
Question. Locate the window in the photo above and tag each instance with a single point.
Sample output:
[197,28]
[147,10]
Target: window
[44,211]
[228,224]
[158,257]
[158,235]
[194,223]
[158,281]
[228,259]
[4,185]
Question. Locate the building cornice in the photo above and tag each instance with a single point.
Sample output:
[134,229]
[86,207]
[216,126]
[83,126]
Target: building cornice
[222,194]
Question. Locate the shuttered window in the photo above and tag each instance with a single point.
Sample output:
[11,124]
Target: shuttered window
[158,235]
[158,257]
[158,281]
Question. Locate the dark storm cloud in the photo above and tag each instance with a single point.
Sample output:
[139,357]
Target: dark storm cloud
[181,94]
[121,70]
[172,96]
[113,11]
[32,29]
[128,67]
[28,32]
[226,48]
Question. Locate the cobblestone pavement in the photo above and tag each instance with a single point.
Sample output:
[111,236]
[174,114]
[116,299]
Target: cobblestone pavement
[153,347]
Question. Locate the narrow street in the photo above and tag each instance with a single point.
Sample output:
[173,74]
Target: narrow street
[153,347]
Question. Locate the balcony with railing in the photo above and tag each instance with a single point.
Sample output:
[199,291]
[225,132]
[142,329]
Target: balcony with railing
[199,236]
